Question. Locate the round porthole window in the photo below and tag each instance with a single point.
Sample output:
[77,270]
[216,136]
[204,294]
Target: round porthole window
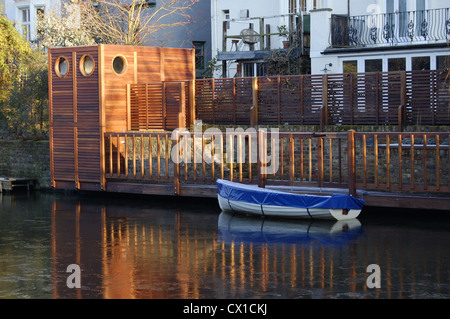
[119,65]
[87,65]
[62,67]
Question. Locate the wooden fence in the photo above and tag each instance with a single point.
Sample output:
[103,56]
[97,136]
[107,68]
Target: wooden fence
[404,162]
[386,98]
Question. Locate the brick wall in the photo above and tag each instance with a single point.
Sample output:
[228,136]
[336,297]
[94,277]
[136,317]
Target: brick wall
[29,159]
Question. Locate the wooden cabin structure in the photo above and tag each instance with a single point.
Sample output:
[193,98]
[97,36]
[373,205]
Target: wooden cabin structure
[113,110]
[90,93]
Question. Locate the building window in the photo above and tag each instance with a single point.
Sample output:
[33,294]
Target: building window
[443,62]
[119,65]
[350,66]
[375,65]
[261,69]
[420,63]
[397,64]
[87,65]
[199,55]
[62,67]
[25,22]
[226,17]
[251,69]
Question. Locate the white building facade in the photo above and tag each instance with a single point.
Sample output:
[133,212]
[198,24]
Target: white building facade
[23,13]
[342,35]
[244,31]
[380,36]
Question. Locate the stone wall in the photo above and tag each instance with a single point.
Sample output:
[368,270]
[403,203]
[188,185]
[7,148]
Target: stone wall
[28,159]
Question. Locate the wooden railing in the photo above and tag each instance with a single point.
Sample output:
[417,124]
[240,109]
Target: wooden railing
[405,162]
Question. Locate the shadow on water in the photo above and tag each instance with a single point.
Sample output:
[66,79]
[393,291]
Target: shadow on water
[156,247]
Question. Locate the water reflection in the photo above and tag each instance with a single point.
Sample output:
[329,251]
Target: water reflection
[130,247]
[236,227]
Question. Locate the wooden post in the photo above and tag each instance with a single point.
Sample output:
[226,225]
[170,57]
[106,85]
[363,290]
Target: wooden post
[279,100]
[351,162]
[291,160]
[261,34]
[75,148]
[75,117]
[182,108]
[261,149]
[352,102]
[213,97]
[322,118]
[147,124]
[102,115]
[325,98]
[224,47]
[267,38]
[254,109]
[401,117]
[129,107]
[224,36]
[163,91]
[320,161]
[176,168]
[403,89]
[191,102]
[234,101]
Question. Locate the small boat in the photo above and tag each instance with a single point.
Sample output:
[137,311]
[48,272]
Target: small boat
[251,199]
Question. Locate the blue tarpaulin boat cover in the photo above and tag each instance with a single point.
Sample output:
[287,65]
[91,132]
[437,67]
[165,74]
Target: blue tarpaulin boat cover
[262,196]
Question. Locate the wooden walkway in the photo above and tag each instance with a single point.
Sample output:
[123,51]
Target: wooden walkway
[8,184]
[408,170]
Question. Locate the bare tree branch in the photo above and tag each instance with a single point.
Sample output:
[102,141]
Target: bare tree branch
[132,21]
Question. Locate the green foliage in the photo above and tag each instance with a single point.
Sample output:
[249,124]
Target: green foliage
[14,51]
[287,62]
[23,86]
[211,68]
[26,109]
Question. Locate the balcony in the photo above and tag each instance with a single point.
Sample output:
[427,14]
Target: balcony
[390,29]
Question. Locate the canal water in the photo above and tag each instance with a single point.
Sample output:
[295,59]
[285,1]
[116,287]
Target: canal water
[168,248]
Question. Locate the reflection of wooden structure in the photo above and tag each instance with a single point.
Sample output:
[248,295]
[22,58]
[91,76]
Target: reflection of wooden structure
[92,91]
[139,252]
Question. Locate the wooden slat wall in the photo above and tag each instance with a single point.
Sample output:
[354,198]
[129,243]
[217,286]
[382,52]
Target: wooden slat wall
[75,121]
[88,121]
[62,145]
[144,65]
[114,95]
[291,107]
[224,101]
[146,106]
[429,104]
[175,103]
[157,106]
[347,99]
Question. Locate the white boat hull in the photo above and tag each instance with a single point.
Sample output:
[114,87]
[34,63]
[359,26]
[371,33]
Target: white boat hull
[285,211]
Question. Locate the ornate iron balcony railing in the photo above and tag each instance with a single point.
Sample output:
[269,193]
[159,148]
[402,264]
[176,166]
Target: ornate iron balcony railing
[400,28]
